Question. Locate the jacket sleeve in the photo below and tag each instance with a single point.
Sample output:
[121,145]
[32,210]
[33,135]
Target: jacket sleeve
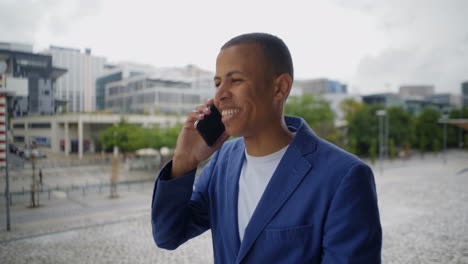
[180,211]
[352,230]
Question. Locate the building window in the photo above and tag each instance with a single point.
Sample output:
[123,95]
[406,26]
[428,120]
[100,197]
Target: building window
[18,126]
[18,139]
[39,125]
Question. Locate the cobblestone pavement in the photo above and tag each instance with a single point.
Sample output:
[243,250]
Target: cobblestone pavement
[423,204]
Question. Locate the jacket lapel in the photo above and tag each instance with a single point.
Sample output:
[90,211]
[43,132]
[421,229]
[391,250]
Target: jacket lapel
[233,173]
[290,172]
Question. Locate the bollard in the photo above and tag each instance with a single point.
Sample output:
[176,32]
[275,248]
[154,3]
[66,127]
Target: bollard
[49,194]
[57,188]
[23,190]
[84,193]
[128,186]
[100,187]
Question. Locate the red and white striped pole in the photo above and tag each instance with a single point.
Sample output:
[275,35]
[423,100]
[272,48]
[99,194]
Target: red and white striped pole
[4,139]
[3,130]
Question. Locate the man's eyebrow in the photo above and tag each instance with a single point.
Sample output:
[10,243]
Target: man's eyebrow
[229,74]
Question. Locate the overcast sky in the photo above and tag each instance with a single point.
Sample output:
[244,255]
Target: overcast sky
[372,45]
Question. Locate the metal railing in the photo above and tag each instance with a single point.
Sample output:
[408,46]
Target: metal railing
[83,190]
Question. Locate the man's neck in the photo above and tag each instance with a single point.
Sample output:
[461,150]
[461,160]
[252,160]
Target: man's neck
[268,141]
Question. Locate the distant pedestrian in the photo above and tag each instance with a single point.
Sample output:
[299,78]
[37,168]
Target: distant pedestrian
[40,177]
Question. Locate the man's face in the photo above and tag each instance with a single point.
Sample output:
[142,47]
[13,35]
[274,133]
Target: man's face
[244,90]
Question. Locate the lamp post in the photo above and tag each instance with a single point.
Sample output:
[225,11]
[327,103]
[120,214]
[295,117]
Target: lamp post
[383,129]
[115,170]
[445,118]
[34,186]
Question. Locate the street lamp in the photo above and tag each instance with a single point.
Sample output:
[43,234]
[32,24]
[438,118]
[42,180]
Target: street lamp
[382,114]
[115,169]
[445,119]
[34,186]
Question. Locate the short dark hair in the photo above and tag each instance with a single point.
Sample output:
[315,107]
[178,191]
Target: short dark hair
[275,51]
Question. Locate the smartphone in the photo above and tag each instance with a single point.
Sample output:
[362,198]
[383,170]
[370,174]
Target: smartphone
[211,127]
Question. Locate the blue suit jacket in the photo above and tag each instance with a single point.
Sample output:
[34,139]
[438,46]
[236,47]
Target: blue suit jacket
[320,206]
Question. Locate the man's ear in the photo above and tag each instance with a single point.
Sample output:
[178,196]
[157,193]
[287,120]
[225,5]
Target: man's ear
[282,86]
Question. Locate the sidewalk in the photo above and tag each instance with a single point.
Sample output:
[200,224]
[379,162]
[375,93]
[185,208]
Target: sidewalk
[423,207]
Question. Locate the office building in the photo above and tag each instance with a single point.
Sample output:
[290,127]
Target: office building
[114,73]
[77,87]
[464,90]
[165,90]
[320,86]
[416,91]
[445,99]
[32,77]
[413,104]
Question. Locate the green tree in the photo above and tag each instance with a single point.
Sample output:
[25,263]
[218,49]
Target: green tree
[169,136]
[316,112]
[427,128]
[128,137]
[352,146]
[391,148]
[422,145]
[349,106]
[436,145]
[454,133]
[363,127]
[466,141]
[373,150]
[400,125]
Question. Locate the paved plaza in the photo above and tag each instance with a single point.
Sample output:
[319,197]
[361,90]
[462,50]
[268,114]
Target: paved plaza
[423,204]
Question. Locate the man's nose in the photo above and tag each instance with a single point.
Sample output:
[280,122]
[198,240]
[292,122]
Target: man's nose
[222,93]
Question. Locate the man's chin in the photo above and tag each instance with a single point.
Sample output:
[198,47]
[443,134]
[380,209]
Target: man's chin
[234,132]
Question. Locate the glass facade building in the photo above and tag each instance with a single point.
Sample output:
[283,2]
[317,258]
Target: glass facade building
[464,88]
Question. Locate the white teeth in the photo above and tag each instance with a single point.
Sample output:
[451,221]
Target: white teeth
[229,112]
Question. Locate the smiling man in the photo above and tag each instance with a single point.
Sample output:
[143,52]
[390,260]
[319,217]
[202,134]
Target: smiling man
[277,194]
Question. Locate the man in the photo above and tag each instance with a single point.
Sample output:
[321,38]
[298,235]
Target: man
[277,194]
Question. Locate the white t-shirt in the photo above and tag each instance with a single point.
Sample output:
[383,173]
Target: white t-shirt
[255,174]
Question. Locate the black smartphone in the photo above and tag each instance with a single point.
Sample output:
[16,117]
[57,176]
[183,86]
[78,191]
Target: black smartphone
[211,127]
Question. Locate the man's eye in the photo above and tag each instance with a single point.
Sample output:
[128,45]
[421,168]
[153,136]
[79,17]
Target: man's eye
[236,80]
[217,85]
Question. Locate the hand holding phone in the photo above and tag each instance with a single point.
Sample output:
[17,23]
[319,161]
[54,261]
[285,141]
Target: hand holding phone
[210,127]
[190,149]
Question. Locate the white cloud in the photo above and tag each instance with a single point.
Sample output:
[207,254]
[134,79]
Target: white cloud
[426,44]
[366,43]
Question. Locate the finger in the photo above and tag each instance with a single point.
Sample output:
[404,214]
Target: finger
[205,109]
[194,116]
[210,101]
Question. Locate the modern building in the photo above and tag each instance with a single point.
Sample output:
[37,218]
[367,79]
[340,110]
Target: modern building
[320,86]
[464,91]
[407,91]
[165,90]
[74,132]
[77,87]
[445,99]
[33,78]
[384,99]
[413,104]
[114,73]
